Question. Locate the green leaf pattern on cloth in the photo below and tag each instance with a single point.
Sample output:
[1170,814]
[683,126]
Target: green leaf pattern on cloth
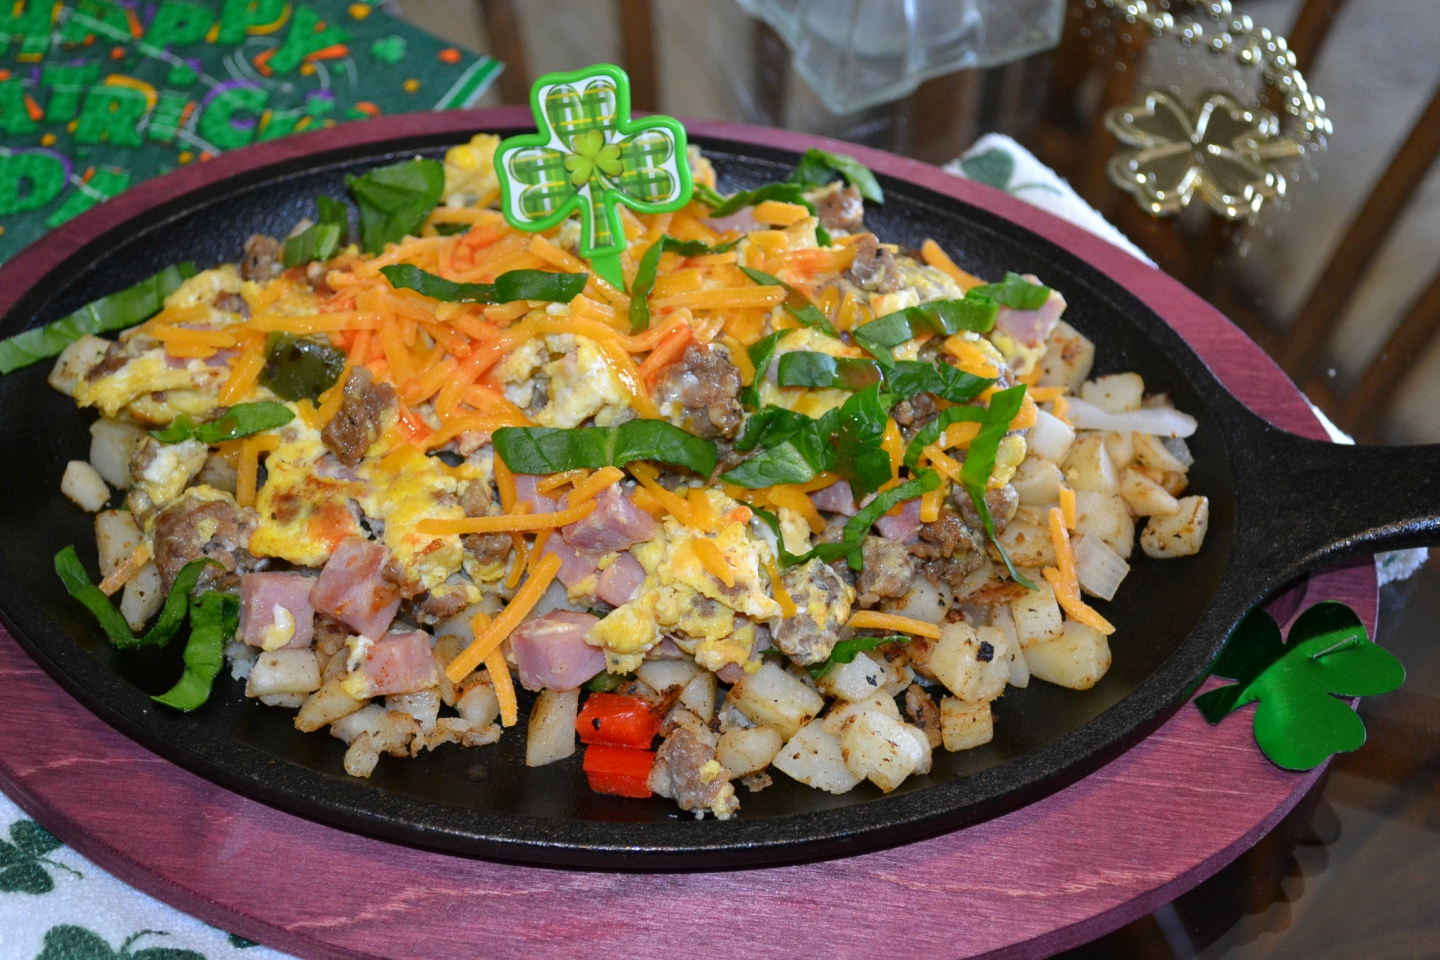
[590,156]
[55,905]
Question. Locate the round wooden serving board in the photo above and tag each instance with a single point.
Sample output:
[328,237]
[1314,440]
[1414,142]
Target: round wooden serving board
[1112,847]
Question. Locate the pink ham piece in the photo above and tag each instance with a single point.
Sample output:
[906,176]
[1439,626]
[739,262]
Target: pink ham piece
[551,651]
[261,593]
[525,490]
[742,220]
[618,582]
[904,527]
[399,663]
[615,524]
[1031,327]
[574,567]
[836,498]
[353,589]
[665,650]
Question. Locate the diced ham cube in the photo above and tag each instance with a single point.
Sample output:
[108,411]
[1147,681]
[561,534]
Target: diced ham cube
[904,527]
[399,663]
[618,582]
[836,498]
[574,567]
[1031,327]
[615,524]
[525,490]
[551,651]
[352,588]
[261,594]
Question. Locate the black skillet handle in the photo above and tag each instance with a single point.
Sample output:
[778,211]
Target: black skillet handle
[1301,502]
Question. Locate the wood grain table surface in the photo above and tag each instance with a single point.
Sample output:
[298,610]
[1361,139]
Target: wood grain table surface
[1110,848]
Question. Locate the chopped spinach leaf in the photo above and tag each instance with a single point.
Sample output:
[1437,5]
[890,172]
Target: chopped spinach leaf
[320,240]
[241,420]
[214,617]
[124,308]
[1014,292]
[806,368]
[77,583]
[509,286]
[819,167]
[650,263]
[761,352]
[942,318]
[395,200]
[546,450]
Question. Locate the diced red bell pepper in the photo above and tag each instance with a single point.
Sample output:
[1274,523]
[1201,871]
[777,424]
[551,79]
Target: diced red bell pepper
[619,771]
[617,721]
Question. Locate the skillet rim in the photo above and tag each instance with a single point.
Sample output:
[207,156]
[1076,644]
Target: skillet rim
[834,833]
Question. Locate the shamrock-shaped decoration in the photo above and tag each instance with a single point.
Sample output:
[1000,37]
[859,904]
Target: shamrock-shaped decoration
[1222,151]
[590,157]
[1299,722]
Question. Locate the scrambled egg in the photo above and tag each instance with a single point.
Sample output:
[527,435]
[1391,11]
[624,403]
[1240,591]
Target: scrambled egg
[470,171]
[170,467]
[304,512]
[582,385]
[188,388]
[402,489]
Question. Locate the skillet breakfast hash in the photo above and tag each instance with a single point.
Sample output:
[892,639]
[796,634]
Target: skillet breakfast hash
[799,501]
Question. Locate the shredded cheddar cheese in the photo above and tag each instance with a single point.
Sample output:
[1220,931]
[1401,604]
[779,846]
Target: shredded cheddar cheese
[875,620]
[1064,582]
[489,641]
[510,523]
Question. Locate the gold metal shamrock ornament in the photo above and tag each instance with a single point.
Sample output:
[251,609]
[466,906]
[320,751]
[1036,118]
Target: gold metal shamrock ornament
[1222,150]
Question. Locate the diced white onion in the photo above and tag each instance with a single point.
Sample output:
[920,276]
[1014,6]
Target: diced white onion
[1098,568]
[1161,421]
[1180,450]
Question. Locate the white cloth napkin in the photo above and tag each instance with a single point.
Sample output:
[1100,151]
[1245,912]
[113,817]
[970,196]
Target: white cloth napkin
[56,905]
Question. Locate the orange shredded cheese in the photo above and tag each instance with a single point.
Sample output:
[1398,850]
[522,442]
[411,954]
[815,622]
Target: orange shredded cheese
[701,510]
[947,466]
[791,497]
[1062,411]
[124,573]
[1064,581]
[712,558]
[504,687]
[247,468]
[1067,506]
[488,641]
[1027,415]
[313,323]
[505,484]
[677,506]
[875,620]
[560,479]
[1046,394]
[779,213]
[510,523]
[930,502]
[894,446]
[971,358]
[778,591]
[723,298]
[243,375]
[586,490]
[931,253]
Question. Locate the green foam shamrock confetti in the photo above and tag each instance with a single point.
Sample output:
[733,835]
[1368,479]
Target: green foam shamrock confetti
[1300,722]
[590,157]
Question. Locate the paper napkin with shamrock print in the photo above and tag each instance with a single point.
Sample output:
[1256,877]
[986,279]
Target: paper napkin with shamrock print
[56,905]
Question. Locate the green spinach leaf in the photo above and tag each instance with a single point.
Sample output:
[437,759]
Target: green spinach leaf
[213,619]
[395,200]
[241,420]
[546,450]
[508,287]
[650,263]
[298,368]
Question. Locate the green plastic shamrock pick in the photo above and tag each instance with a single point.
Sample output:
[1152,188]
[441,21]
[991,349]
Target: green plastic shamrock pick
[589,156]
[1299,722]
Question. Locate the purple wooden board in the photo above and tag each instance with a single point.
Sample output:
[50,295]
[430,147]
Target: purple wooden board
[1139,832]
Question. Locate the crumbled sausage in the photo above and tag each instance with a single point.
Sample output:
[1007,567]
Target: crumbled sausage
[1002,502]
[685,771]
[488,547]
[948,549]
[874,267]
[262,258]
[706,385]
[356,425]
[822,601]
[180,537]
[842,209]
[888,572]
[233,303]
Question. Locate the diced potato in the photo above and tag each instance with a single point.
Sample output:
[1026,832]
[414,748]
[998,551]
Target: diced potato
[853,681]
[423,705]
[283,671]
[75,361]
[1121,447]
[143,596]
[1001,635]
[1106,516]
[478,703]
[879,749]
[291,700]
[1050,438]
[326,705]
[1180,535]
[1038,482]
[967,664]
[116,537]
[1028,544]
[1037,614]
[1089,466]
[772,696]
[843,713]
[661,674]
[1151,452]
[922,739]
[964,724]
[361,757]
[1146,497]
[82,484]
[1069,355]
[1077,659]
[699,695]
[1115,393]
[744,752]
[552,727]
[365,720]
[920,707]
[925,602]
[813,757]
[371,732]
[1173,483]
[112,444]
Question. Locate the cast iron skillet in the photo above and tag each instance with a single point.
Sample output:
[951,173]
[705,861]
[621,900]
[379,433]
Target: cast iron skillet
[1280,505]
